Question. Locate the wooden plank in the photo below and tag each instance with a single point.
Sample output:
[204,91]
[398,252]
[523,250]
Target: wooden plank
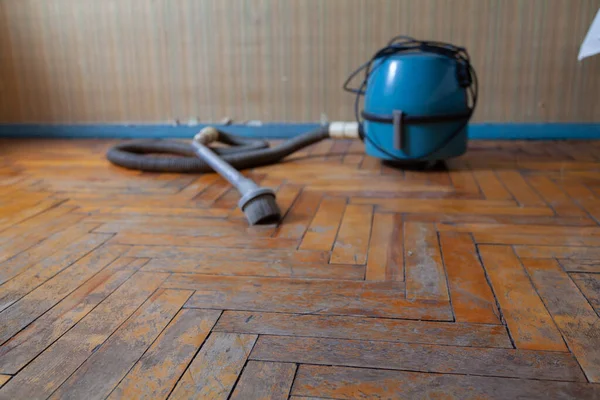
[358,383]
[240,255]
[20,262]
[410,175]
[533,240]
[588,178]
[592,266]
[439,177]
[265,380]
[286,196]
[28,343]
[367,186]
[510,363]
[49,370]
[338,150]
[11,247]
[556,198]
[322,148]
[157,372]
[181,226]
[385,261]
[575,253]
[379,329]
[93,380]
[571,312]
[4,379]
[268,268]
[472,298]
[589,284]
[491,186]
[229,200]
[425,275]
[355,154]
[592,207]
[34,276]
[240,242]
[353,237]
[307,398]
[464,181]
[577,191]
[518,187]
[371,164]
[296,221]
[16,216]
[196,187]
[209,195]
[40,226]
[301,155]
[559,166]
[524,229]
[112,213]
[452,206]
[501,219]
[381,299]
[529,323]
[324,226]
[214,371]
[37,302]
[105,203]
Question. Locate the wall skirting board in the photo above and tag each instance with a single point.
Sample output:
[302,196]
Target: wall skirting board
[490,131]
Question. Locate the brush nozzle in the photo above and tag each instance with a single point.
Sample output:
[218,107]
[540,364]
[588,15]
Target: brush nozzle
[262,210]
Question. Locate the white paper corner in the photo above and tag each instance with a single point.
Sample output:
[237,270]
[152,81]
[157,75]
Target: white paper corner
[591,43]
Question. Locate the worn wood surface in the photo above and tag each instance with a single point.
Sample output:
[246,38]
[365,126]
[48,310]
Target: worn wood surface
[529,322]
[92,379]
[546,365]
[380,329]
[265,381]
[359,383]
[386,248]
[570,310]
[472,298]
[214,371]
[425,275]
[155,374]
[476,281]
[589,284]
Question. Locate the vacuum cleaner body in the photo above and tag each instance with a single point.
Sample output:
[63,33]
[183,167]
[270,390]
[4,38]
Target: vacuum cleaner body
[415,84]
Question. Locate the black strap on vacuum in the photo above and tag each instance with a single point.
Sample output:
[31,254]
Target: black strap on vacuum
[465,75]
[399,119]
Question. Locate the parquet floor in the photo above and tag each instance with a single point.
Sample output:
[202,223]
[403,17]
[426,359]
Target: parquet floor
[479,281]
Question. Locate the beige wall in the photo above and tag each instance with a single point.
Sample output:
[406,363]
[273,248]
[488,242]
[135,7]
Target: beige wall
[277,60]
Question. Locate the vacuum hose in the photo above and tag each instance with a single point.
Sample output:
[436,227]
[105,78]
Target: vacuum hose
[244,153]
[257,203]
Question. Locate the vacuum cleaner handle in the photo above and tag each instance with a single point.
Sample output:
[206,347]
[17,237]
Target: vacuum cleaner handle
[257,203]
[229,173]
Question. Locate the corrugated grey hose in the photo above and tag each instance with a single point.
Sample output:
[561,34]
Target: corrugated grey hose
[244,153]
[257,203]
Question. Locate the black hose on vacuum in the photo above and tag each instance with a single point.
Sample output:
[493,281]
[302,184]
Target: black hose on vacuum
[244,153]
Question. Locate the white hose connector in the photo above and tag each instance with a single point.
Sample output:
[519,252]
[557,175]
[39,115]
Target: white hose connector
[207,135]
[343,130]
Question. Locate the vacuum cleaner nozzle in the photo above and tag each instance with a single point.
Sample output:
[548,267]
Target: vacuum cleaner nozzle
[260,207]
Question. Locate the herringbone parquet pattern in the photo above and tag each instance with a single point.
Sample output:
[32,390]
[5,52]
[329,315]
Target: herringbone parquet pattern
[481,280]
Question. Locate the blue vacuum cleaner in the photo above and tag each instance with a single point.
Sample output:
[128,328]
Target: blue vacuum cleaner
[418,99]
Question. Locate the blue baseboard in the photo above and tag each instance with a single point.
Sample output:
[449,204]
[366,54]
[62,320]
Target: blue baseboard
[490,131]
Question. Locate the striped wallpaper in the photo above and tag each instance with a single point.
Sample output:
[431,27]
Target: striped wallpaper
[278,60]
